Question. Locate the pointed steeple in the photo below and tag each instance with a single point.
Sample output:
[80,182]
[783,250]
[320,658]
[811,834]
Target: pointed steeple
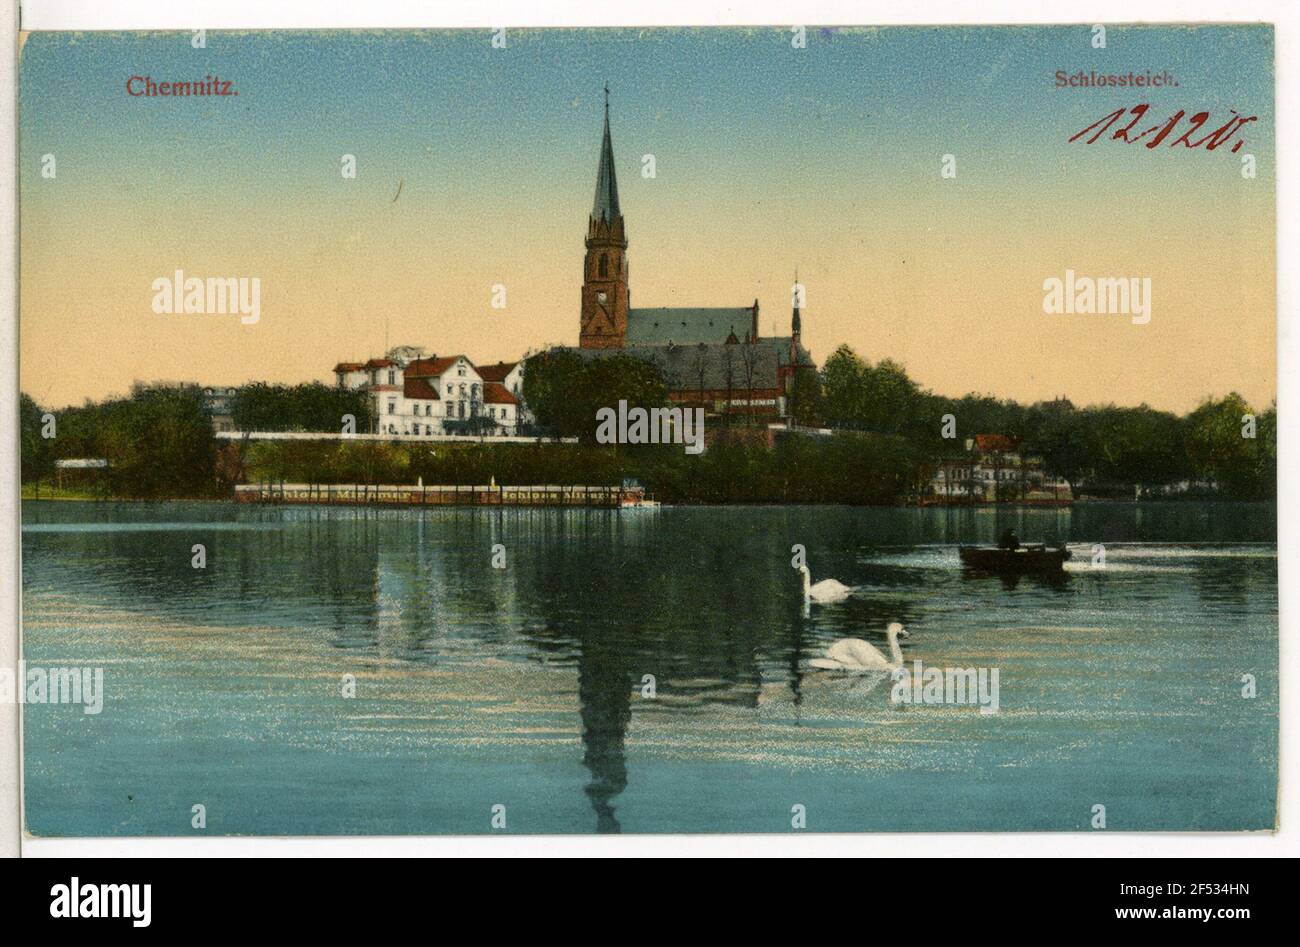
[605,207]
[795,323]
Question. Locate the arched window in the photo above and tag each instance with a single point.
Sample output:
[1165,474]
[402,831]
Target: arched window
[604,265]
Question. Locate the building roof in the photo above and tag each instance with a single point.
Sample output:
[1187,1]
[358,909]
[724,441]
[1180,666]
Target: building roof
[380,363]
[605,206]
[687,326]
[343,367]
[431,367]
[681,365]
[496,393]
[996,442]
[497,372]
[419,389]
[781,343]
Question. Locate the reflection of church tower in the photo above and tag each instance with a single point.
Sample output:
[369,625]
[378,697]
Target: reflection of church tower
[605,699]
[604,276]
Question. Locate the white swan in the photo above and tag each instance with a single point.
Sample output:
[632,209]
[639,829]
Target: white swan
[854,654]
[824,592]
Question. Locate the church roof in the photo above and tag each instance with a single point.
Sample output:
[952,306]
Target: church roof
[681,365]
[686,326]
[605,205]
[781,343]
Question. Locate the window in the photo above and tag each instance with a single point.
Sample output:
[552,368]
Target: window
[392,407]
[604,265]
[392,377]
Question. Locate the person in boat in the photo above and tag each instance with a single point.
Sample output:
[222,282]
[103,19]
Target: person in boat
[1009,540]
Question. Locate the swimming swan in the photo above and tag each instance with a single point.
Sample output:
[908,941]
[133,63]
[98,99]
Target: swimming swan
[824,592]
[854,654]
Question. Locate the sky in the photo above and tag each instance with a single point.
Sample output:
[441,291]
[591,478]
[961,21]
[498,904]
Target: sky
[476,167]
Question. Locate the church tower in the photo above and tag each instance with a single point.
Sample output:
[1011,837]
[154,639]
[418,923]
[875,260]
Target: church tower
[604,275]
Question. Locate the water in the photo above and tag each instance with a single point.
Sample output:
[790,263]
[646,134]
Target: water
[522,686]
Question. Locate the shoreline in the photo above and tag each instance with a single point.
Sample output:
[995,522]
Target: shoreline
[28,496]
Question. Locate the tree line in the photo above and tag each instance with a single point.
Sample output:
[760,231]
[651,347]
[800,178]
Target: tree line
[307,407]
[889,432]
[1224,441]
[158,442]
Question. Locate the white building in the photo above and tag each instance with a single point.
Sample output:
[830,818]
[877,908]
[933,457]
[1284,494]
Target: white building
[994,470]
[419,397]
[509,376]
[217,403]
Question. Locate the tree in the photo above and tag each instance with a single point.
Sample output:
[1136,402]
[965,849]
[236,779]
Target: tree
[37,457]
[806,397]
[1219,449]
[728,378]
[843,389]
[307,407]
[700,367]
[565,390]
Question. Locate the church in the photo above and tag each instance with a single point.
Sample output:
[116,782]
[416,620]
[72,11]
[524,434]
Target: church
[710,357]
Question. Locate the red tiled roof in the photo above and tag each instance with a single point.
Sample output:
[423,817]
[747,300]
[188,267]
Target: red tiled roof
[419,388]
[497,372]
[996,442]
[431,367]
[496,393]
[380,363]
[342,367]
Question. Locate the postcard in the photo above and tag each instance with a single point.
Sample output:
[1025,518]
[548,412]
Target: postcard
[792,429]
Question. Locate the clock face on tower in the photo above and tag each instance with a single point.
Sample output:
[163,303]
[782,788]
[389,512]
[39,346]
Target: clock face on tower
[601,297]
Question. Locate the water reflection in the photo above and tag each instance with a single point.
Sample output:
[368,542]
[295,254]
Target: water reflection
[703,600]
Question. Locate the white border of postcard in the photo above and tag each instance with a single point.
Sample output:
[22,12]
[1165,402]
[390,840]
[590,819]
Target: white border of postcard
[298,14]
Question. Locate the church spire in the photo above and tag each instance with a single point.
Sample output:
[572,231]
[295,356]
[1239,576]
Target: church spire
[605,296]
[605,207]
[795,322]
